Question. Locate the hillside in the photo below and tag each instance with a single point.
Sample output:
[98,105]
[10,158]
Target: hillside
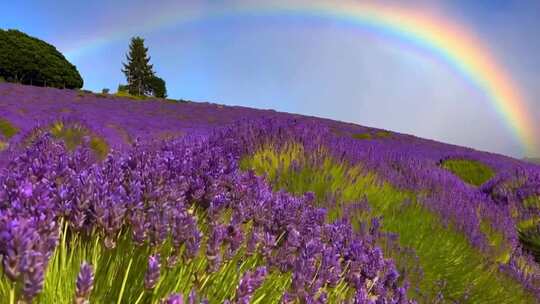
[365,214]
[535,160]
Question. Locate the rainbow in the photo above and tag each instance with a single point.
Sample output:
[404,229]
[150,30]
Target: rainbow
[437,35]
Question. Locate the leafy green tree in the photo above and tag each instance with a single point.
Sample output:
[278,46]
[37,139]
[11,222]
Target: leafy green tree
[158,88]
[138,69]
[28,60]
[123,88]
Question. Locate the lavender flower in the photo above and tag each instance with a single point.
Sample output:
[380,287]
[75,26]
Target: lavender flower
[174,298]
[152,189]
[152,272]
[84,284]
[34,274]
[249,283]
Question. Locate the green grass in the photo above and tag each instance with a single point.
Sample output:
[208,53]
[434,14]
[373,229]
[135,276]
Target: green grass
[450,265]
[7,129]
[119,273]
[530,239]
[73,136]
[127,95]
[529,230]
[470,171]
[532,201]
[362,136]
[377,135]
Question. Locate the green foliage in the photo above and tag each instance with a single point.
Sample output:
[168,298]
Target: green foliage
[3,145]
[123,91]
[74,136]
[158,88]
[470,171]
[28,60]
[119,272]
[138,69]
[362,136]
[529,230]
[530,239]
[127,95]
[7,129]
[99,146]
[532,201]
[369,135]
[2,79]
[442,262]
[105,91]
[123,88]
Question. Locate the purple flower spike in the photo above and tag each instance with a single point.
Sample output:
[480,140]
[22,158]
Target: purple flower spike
[249,283]
[192,299]
[85,283]
[26,189]
[174,298]
[152,273]
[34,276]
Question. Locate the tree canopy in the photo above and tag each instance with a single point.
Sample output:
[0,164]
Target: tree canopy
[157,86]
[28,60]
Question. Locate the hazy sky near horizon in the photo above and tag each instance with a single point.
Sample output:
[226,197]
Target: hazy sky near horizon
[312,66]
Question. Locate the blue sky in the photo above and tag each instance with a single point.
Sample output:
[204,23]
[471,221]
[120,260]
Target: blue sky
[308,66]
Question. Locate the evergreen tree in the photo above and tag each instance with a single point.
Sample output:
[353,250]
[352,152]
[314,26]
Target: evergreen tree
[138,70]
[158,87]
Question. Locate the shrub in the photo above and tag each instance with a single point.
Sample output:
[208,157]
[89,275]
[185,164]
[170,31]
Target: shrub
[28,60]
[123,88]
[157,86]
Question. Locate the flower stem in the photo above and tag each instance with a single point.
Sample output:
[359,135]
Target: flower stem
[140,297]
[12,295]
[124,282]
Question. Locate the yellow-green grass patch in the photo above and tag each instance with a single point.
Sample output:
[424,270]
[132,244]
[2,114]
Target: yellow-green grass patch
[450,265]
[7,129]
[470,171]
[73,136]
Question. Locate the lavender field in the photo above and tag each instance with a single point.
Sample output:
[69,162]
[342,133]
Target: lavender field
[107,199]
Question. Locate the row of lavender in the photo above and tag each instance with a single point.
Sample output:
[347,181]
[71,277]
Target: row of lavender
[407,162]
[119,120]
[414,164]
[188,193]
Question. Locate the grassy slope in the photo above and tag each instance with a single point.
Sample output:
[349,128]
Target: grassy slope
[120,273]
[451,267]
[535,160]
[7,131]
[470,171]
[443,253]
